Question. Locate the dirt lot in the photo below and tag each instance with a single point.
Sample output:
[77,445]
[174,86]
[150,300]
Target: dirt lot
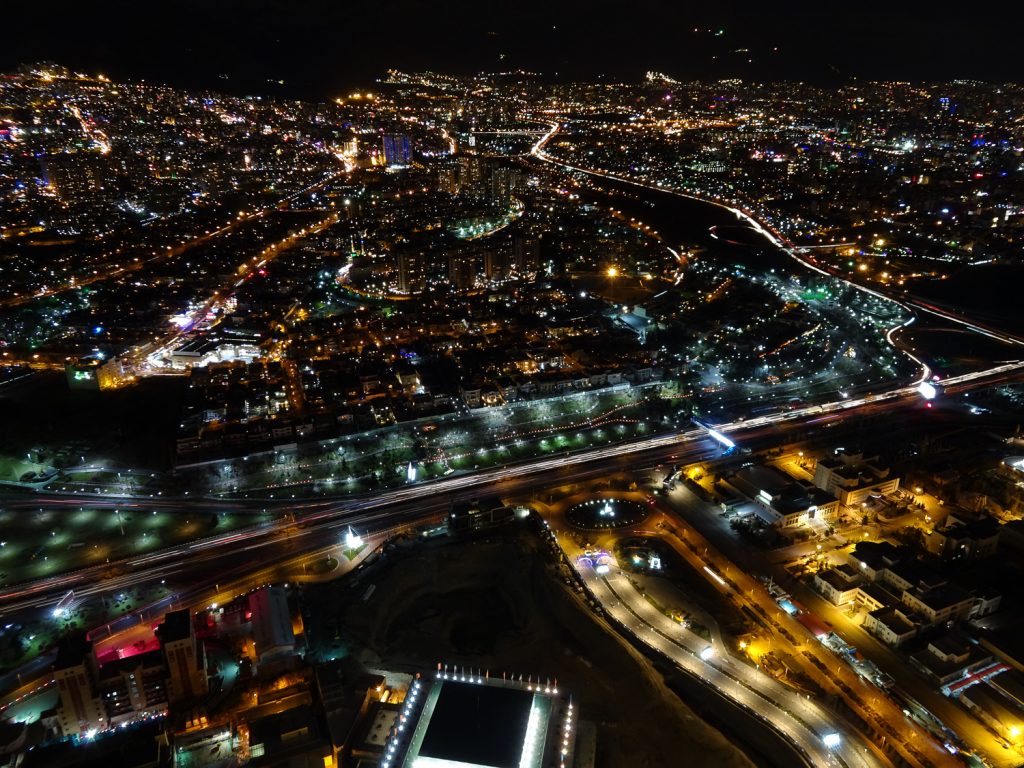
[498,604]
[131,427]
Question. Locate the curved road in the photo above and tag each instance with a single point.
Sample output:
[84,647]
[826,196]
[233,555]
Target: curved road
[782,244]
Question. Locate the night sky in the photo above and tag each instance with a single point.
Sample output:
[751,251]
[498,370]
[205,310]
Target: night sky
[322,49]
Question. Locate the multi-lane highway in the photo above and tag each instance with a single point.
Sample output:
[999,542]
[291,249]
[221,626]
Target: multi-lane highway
[803,722]
[317,515]
[308,527]
[323,515]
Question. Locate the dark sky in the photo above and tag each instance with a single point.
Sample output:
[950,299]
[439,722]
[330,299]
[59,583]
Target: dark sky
[322,49]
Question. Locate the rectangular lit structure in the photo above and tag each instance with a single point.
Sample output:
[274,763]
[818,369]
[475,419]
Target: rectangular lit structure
[459,720]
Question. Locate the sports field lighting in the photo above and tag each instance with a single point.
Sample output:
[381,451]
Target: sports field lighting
[720,438]
[353,540]
[61,609]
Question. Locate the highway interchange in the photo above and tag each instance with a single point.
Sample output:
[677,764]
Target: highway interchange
[319,517]
[307,527]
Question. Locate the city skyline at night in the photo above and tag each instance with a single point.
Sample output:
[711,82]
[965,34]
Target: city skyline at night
[568,386]
[321,49]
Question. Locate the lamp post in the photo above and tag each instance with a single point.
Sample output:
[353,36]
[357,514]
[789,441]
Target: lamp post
[612,273]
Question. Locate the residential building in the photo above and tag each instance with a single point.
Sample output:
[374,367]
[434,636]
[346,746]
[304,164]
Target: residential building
[80,709]
[271,624]
[892,625]
[184,655]
[839,585]
[963,539]
[852,479]
[940,604]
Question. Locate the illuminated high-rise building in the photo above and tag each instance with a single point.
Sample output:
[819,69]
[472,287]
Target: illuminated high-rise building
[497,262]
[397,149]
[525,254]
[412,276]
[448,180]
[80,709]
[185,657]
[503,182]
[462,271]
[472,175]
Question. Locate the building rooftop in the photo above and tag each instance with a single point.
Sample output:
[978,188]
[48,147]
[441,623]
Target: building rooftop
[177,626]
[797,498]
[847,571]
[995,704]
[916,574]
[149,660]
[841,580]
[894,620]
[481,722]
[72,651]
[863,473]
[875,554]
[762,478]
[478,725]
[271,621]
[951,644]
[951,668]
[945,596]
[384,720]
[983,528]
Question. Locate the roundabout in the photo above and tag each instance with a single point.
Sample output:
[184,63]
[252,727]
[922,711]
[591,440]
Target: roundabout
[597,514]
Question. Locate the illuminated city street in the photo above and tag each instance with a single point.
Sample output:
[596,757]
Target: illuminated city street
[537,386]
